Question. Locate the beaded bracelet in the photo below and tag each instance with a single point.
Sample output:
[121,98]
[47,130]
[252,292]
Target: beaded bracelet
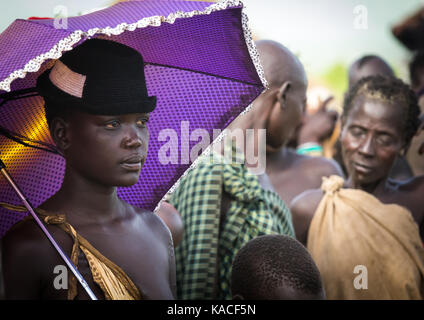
[310,148]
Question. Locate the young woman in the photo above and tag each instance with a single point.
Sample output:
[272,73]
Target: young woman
[97,109]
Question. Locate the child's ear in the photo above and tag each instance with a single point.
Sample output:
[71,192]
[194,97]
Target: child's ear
[59,131]
[238,297]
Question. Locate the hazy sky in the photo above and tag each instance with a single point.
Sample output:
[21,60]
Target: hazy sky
[321,32]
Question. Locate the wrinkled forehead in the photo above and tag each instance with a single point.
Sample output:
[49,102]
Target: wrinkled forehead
[374,109]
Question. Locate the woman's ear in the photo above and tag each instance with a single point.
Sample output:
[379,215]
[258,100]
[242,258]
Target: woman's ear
[59,131]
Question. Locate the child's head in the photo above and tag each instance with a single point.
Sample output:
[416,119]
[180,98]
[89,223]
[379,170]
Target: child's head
[275,267]
[97,106]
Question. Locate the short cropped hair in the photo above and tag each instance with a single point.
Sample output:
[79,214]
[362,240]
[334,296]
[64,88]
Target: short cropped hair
[269,262]
[392,90]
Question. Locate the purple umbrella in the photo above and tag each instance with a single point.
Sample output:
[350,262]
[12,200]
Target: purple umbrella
[201,64]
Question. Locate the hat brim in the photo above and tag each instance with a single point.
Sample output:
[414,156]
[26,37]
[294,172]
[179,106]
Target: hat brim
[49,91]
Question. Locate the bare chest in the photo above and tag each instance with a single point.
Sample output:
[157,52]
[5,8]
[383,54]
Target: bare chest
[143,258]
[137,251]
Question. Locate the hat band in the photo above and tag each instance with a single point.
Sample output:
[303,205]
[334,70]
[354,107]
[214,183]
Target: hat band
[67,80]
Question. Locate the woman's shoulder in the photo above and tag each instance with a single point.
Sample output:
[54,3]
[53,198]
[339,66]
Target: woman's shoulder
[307,201]
[303,208]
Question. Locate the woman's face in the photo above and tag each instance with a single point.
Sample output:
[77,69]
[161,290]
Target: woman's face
[371,139]
[109,150]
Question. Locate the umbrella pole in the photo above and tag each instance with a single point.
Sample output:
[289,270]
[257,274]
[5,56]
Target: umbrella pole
[43,228]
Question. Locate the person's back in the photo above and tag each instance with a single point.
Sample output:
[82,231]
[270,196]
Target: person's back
[223,205]
[123,252]
[292,173]
[275,267]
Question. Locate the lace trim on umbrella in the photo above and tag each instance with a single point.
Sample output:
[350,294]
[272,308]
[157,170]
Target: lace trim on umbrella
[254,55]
[66,44]
[208,152]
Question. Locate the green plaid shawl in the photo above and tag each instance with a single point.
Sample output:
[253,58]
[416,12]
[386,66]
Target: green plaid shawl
[253,211]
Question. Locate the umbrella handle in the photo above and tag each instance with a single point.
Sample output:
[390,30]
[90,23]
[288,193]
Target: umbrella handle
[43,228]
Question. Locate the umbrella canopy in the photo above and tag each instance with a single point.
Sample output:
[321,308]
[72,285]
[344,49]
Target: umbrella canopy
[200,63]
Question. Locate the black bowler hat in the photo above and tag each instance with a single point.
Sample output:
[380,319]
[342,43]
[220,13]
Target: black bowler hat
[98,77]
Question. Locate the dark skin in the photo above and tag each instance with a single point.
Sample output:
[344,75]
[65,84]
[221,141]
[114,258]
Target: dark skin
[289,293]
[371,140]
[173,220]
[286,293]
[401,169]
[290,173]
[371,67]
[114,149]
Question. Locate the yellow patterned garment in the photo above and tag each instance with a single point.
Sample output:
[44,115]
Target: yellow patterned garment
[351,229]
[113,281]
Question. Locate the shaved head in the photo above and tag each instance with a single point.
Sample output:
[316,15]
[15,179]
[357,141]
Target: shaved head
[368,66]
[280,65]
[279,110]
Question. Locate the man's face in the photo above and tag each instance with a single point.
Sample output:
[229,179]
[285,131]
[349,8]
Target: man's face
[371,139]
[287,116]
[109,150]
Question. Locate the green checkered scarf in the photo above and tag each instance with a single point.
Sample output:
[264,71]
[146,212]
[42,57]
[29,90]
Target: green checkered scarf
[253,211]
